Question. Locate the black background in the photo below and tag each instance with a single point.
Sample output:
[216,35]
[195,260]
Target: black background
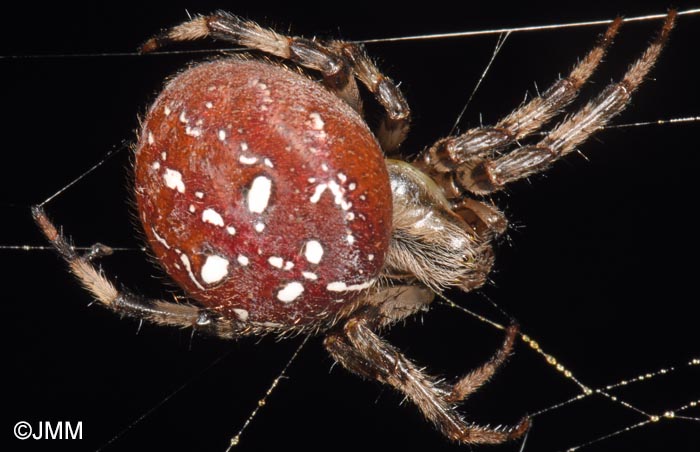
[599,265]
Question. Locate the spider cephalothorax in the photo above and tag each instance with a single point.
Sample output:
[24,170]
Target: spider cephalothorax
[268,200]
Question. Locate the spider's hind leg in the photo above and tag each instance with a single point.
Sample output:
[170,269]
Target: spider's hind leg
[340,63]
[363,352]
[227,27]
[127,303]
[471,382]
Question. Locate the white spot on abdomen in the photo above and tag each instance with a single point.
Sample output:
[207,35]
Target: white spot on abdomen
[242,314]
[276,261]
[222,135]
[313,251]
[213,217]
[186,262]
[309,275]
[247,160]
[339,286]
[193,131]
[215,268]
[173,180]
[290,292]
[259,194]
[339,194]
[316,121]
[318,191]
[160,239]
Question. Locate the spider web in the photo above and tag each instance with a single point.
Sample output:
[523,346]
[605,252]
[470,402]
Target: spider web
[593,267]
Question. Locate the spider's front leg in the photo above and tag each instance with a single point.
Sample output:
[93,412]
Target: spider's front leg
[360,350]
[487,175]
[454,152]
[468,163]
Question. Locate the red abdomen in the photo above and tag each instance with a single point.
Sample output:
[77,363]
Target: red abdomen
[262,194]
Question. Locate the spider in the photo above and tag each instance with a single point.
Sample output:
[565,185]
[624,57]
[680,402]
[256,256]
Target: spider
[266,197]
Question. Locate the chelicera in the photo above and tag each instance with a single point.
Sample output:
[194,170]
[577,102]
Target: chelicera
[266,197]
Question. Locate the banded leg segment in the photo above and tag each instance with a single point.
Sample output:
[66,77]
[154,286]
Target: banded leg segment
[471,382]
[364,353]
[230,28]
[338,62]
[123,302]
[450,153]
[484,176]
[394,127]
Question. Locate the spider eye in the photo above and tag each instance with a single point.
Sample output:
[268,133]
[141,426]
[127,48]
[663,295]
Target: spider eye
[263,195]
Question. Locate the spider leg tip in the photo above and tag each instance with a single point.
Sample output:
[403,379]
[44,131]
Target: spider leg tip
[149,46]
